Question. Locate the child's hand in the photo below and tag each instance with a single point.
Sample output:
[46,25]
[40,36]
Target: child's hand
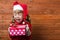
[27,27]
[28,32]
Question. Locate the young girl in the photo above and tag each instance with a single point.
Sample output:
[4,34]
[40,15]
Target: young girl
[20,18]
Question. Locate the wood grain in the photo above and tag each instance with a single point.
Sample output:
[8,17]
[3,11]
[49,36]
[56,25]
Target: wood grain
[44,14]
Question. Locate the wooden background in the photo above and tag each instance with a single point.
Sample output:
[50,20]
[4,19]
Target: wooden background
[44,14]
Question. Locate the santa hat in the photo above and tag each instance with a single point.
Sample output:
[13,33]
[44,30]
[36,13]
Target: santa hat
[19,6]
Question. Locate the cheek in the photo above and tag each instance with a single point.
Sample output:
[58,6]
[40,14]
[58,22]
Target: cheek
[20,16]
[15,17]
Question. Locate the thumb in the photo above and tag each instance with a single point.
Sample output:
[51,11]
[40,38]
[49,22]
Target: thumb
[27,27]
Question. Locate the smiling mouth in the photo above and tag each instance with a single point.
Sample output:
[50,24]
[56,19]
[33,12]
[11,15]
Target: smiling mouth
[18,19]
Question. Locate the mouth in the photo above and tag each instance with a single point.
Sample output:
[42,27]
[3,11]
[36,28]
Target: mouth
[18,19]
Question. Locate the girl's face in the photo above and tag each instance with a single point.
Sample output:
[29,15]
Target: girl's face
[18,15]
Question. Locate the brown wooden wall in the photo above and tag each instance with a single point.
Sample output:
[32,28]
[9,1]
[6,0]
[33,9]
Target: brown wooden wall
[45,18]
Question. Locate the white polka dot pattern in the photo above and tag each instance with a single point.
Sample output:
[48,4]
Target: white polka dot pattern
[17,31]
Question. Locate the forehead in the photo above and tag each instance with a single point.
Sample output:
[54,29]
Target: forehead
[19,11]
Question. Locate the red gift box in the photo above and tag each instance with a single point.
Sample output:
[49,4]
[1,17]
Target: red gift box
[16,31]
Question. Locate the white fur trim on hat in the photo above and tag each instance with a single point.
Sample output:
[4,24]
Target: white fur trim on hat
[17,7]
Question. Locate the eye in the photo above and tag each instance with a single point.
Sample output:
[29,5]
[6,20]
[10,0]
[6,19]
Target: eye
[20,14]
[20,11]
[14,11]
[15,14]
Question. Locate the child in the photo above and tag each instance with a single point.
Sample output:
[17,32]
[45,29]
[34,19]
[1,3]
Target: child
[20,18]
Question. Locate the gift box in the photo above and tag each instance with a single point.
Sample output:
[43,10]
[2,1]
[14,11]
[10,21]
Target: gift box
[17,31]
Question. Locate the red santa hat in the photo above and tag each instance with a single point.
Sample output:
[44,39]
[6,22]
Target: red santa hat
[19,6]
